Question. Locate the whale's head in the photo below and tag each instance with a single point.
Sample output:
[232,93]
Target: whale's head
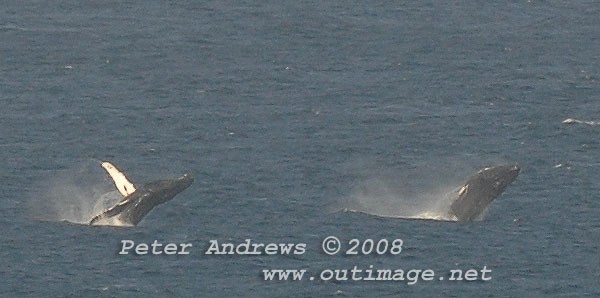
[498,177]
[161,191]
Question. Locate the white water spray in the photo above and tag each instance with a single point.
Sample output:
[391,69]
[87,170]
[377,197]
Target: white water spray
[74,195]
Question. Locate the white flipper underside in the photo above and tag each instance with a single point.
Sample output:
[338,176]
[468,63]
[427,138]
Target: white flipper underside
[123,185]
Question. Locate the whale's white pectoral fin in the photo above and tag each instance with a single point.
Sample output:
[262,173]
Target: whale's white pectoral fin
[123,185]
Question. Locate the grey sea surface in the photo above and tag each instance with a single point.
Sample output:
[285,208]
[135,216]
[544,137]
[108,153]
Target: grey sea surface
[287,113]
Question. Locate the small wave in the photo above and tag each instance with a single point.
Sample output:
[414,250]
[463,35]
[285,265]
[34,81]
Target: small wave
[11,27]
[15,27]
[575,121]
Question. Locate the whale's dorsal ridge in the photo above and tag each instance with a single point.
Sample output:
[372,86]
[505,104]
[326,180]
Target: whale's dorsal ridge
[124,186]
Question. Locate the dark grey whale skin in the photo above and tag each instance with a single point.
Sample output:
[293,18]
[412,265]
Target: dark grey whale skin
[481,189]
[132,208]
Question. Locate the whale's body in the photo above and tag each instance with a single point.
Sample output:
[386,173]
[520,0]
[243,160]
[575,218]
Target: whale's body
[481,189]
[138,202]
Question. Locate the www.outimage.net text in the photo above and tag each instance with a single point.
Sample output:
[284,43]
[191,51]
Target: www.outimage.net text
[330,245]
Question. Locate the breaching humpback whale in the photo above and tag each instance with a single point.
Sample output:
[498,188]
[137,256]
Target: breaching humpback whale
[137,202]
[466,203]
[481,189]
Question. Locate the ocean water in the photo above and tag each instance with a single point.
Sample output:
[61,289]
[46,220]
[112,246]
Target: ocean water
[286,113]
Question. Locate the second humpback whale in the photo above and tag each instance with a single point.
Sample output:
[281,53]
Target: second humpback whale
[466,203]
[138,202]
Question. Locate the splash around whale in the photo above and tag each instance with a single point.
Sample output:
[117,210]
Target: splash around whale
[138,202]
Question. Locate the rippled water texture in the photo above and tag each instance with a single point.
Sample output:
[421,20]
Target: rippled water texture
[287,113]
